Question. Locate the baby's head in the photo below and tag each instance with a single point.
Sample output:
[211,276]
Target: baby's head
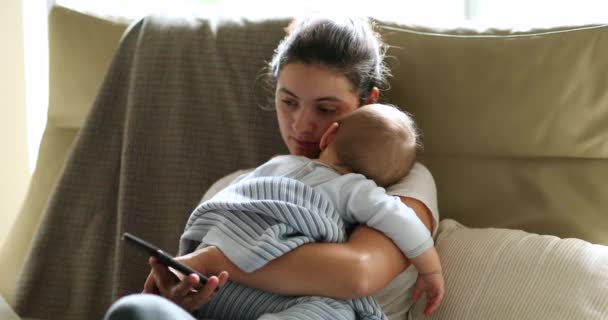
[377,140]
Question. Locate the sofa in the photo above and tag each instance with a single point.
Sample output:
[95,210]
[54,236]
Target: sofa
[145,115]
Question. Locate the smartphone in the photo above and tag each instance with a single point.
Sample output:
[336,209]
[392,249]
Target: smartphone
[162,256]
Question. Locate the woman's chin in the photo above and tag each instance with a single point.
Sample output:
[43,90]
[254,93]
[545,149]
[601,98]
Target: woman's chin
[305,152]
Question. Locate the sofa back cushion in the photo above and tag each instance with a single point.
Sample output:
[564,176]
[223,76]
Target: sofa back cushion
[514,123]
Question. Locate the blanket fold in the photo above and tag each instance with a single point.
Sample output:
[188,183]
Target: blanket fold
[257,220]
[177,110]
[260,219]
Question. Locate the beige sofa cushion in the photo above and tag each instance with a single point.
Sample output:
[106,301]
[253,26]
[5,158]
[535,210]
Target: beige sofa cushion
[510,274]
[514,123]
[81,47]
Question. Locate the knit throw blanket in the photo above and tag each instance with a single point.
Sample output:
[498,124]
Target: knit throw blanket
[178,110]
[257,220]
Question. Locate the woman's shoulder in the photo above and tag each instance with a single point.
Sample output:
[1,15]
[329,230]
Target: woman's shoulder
[276,163]
[222,183]
[420,185]
[419,179]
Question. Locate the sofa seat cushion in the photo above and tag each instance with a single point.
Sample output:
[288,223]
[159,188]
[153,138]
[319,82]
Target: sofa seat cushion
[494,273]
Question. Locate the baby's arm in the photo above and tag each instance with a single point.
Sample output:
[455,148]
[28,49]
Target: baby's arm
[430,279]
[427,262]
[366,203]
[361,201]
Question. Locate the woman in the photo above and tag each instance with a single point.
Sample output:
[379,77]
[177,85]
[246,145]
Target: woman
[323,69]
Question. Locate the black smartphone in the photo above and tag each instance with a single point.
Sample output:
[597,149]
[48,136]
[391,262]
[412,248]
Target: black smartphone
[162,256]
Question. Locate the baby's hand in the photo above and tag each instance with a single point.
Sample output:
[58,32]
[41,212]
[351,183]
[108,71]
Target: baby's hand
[432,284]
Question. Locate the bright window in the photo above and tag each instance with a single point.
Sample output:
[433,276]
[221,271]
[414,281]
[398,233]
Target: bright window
[538,13]
[413,9]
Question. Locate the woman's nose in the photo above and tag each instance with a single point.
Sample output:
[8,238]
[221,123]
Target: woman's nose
[304,122]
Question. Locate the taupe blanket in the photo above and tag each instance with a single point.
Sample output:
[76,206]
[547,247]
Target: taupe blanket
[179,108]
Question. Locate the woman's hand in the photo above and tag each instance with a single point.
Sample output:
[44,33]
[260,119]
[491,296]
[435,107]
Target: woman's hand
[182,289]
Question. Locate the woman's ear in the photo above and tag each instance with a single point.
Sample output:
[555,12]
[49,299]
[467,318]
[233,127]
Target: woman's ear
[373,96]
[329,135]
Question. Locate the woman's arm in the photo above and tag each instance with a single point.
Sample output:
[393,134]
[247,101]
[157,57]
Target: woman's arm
[360,267]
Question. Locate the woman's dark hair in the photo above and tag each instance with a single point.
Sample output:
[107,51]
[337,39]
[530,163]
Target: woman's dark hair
[349,46]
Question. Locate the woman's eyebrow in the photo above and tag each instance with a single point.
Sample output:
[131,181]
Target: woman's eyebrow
[283,90]
[321,99]
[330,99]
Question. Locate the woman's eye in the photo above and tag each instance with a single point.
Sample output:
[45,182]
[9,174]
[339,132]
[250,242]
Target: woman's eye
[326,110]
[289,103]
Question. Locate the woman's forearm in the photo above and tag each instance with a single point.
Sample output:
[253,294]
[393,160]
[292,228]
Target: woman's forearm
[360,267]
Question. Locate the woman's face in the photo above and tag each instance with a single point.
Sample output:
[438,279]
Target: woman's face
[310,97]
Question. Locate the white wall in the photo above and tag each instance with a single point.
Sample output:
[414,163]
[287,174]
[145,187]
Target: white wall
[14,172]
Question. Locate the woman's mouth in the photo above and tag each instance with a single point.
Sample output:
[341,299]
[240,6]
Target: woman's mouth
[304,144]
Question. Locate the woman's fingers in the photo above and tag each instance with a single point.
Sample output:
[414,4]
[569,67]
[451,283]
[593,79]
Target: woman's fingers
[162,281]
[223,277]
[198,299]
[150,285]
[163,278]
[184,287]
[204,295]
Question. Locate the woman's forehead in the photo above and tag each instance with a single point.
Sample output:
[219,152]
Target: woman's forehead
[312,81]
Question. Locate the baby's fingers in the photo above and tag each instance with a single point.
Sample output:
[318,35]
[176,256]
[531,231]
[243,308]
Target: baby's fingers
[417,293]
[432,303]
[430,308]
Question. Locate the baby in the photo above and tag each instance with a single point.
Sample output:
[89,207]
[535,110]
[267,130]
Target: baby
[370,148]
[380,142]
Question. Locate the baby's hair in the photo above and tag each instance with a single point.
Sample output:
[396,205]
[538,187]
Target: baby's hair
[378,141]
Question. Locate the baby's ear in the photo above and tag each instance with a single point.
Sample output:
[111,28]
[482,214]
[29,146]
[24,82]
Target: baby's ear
[329,135]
